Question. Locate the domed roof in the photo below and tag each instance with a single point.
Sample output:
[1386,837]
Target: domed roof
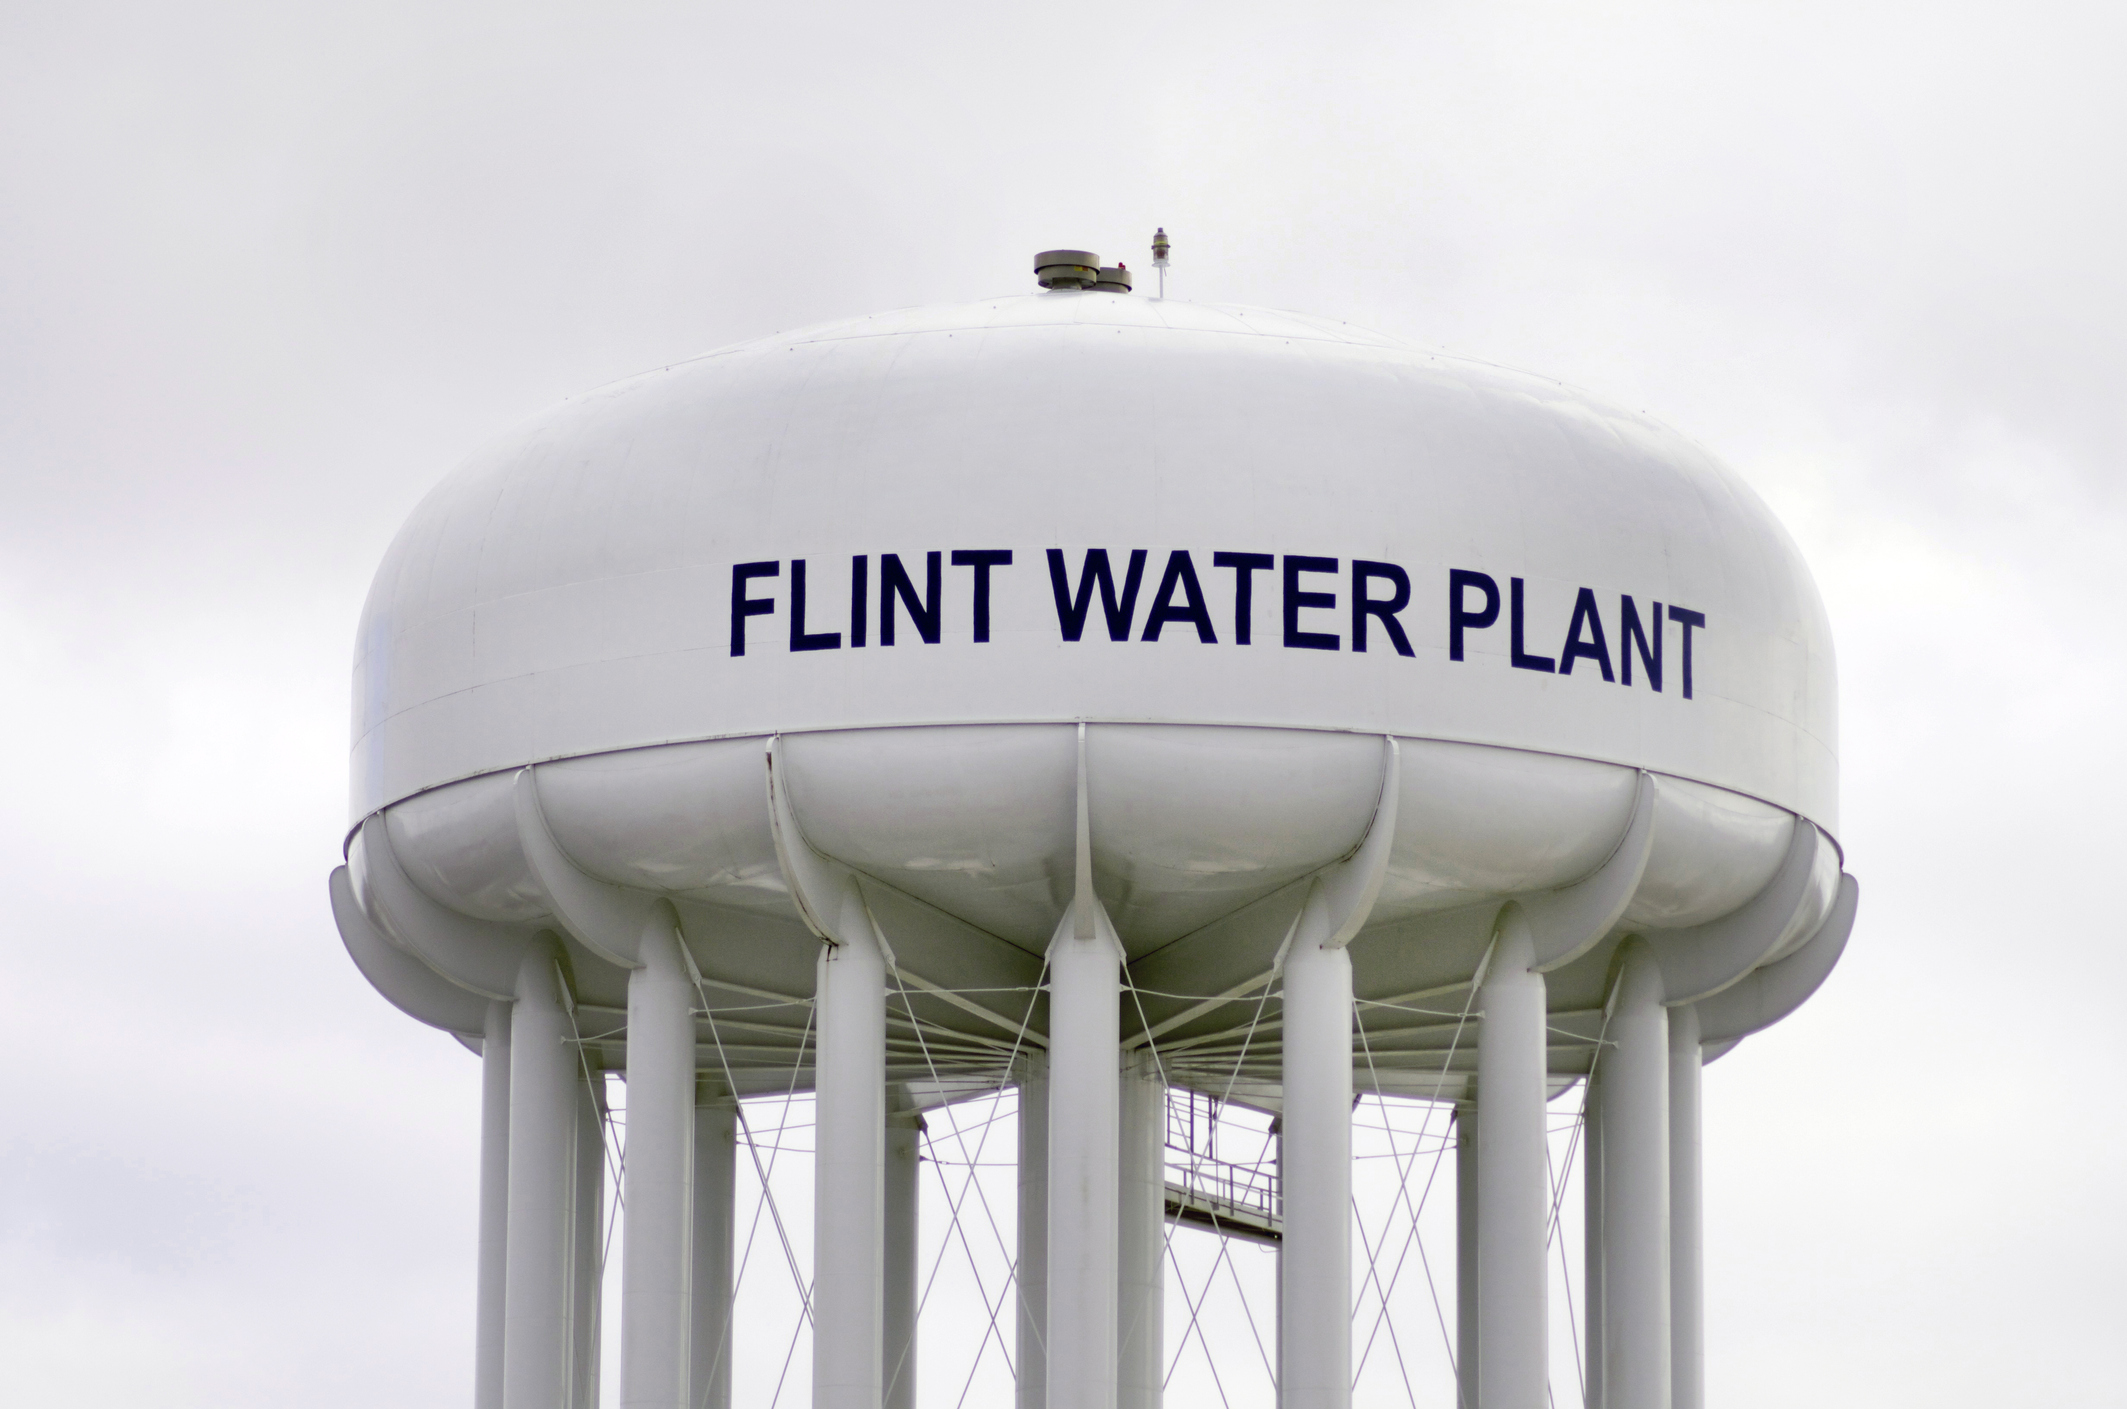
[1085,505]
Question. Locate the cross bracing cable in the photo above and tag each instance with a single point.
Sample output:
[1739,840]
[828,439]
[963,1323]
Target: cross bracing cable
[953,1226]
[1260,988]
[1412,1210]
[761,1173]
[971,1182]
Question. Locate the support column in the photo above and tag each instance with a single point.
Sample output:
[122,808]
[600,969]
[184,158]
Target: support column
[1141,1223]
[904,1138]
[657,1257]
[1636,1360]
[1085,998]
[1316,1269]
[1033,1277]
[1466,1253]
[590,1225]
[715,1191]
[1513,1187]
[494,1206]
[849,1167]
[539,1272]
[1277,1151]
[1687,1258]
[1592,1195]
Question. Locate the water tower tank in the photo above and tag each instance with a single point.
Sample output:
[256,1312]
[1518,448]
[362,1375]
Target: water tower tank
[1096,693]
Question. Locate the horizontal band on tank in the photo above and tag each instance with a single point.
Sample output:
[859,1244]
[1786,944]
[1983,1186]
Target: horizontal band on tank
[959,839]
[757,739]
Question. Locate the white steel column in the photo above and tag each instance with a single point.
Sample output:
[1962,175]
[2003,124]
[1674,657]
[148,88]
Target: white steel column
[1085,996]
[590,1225]
[849,1167]
[544,1076]
[1687,1261]
[494,1206]
[904,1133]
[1592,1231]
[1277,1148]
[657,1256]
[715,1189]
[1141,1224]
[1031,1338]
[1513,1186]
[1466,1253]
[1636,1359]
[1316,1267]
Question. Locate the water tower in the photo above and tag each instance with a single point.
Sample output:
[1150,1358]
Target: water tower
[1110,696]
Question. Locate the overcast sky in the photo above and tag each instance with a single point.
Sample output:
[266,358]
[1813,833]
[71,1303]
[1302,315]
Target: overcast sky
[267,271]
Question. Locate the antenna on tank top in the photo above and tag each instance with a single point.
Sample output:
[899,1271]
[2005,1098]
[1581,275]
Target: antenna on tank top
[1159,257]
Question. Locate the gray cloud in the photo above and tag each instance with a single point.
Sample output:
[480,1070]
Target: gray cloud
[268,272]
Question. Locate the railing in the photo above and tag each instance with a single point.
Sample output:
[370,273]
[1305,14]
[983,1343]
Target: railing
[1221,1174]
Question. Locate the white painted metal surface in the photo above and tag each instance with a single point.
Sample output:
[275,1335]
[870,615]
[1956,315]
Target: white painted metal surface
[715,1190]
[572,590]
[1256,662]
[1687,1253]
[587,1254]
[848,1216]
[1084,1253]
[1031,1285]
[657,1256]
[1315,1271]
[1141,1235]
[1513,1193]
[538,1307]
[494,1206]
[1635,1346]
[899,1251]
[1466,1262]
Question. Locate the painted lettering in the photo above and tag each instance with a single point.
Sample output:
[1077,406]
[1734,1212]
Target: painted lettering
[894,583]
[1460,617]
[1297,601]
[800,638]
[982,560]
[743,606]
[1071,610]
[1521,659]
[1181,573]
[1382,610]
[1633,637]
[1584,637]
[1687,619]
[1245,566]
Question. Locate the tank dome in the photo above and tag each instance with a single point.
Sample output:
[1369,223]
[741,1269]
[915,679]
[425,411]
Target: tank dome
[1076,505]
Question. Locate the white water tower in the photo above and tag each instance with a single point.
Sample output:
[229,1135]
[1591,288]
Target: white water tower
[1106,696]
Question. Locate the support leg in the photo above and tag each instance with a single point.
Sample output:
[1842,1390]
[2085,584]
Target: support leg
[1592,1166]
[849,1169]
[1466,1254]
[1687,1262]
[590,1225]
[1317,1264]
[715,1190]
[1033,1275]
[904,1133]
[1142,1230]
[1513,1192]
[494,1206]
[1636,1360]
[657,1257]
[537,1329]
[1085,995]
